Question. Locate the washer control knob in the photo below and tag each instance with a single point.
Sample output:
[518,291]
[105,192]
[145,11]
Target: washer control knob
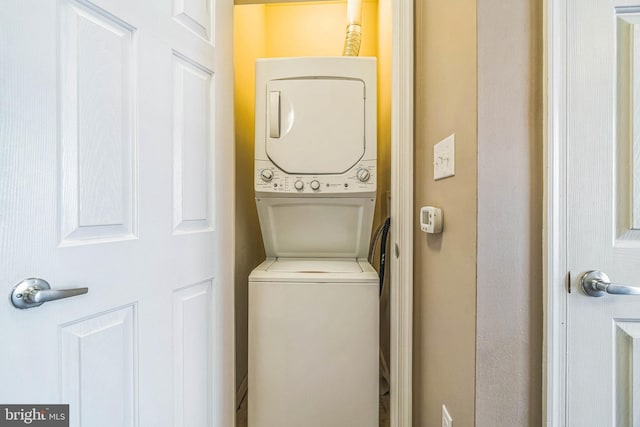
[266,175]
[363,175]
[315,185]
[299,185]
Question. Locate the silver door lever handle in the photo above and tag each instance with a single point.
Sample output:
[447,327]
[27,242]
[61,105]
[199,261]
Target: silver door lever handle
[595,283]
[35,292]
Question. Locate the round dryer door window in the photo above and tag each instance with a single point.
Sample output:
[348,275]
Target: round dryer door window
[315,126]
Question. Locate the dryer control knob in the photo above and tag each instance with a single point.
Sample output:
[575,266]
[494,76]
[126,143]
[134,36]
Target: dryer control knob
[363,175]
[315,185]
[266,175]
[299,185]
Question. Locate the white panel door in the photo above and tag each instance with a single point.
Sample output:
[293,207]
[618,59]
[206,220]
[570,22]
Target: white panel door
[603,140]
[116,174]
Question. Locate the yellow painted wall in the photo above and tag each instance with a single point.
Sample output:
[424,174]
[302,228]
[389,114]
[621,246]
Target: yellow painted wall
[282,30]
[384,150]
[316,29]
[249,44]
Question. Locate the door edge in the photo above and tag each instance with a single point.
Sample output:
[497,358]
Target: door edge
[554,387]
[402,148]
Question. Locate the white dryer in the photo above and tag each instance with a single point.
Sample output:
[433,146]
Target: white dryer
[313,303]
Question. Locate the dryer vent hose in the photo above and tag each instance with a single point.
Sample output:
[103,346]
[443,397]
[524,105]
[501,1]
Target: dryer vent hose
[354,32]
[382,230]
[352,41]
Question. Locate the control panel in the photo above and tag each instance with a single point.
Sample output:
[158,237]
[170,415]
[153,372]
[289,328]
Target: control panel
[360,178]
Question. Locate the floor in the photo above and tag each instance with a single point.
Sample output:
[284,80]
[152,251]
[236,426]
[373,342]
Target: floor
[241,415]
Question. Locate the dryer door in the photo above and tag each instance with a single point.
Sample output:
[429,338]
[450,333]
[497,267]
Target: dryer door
[315,126]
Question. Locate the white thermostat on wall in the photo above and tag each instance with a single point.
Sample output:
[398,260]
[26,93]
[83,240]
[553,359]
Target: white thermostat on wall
[431,219]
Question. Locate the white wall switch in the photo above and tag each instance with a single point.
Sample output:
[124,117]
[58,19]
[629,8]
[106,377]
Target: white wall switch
[447,421]
[431,219]
[444,158]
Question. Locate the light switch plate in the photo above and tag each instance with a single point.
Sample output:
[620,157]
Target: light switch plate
[444,158]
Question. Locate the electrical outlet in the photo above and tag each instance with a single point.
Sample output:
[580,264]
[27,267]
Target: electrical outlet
[447,421]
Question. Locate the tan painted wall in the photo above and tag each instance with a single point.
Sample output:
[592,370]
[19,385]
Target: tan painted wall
[445,264]
[478,340]
[281,30]
[509,288]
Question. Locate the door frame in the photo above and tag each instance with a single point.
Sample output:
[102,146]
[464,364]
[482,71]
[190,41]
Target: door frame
[401,267]
[555,274]
[224,342]
[402,147]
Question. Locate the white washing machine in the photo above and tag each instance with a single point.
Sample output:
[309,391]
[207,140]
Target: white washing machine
[313,303]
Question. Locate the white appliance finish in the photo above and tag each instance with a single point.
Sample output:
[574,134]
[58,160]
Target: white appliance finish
[326,110]
[309,119]
[313,334]
[316,227]
[325,207]
[313,304]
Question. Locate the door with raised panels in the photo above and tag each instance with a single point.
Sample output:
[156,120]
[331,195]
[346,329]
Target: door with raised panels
[116,175]
[603,188]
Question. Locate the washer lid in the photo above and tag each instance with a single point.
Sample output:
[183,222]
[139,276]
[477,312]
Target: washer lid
[283,271]
[315,125]
[294,265]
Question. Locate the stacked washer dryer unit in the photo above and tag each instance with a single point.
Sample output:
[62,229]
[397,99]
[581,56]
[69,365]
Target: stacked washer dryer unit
[313,303]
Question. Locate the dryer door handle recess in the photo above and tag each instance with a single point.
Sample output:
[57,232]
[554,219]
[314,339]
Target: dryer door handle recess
[274,114]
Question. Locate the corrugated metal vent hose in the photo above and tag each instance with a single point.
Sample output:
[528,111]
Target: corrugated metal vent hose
[354,32]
